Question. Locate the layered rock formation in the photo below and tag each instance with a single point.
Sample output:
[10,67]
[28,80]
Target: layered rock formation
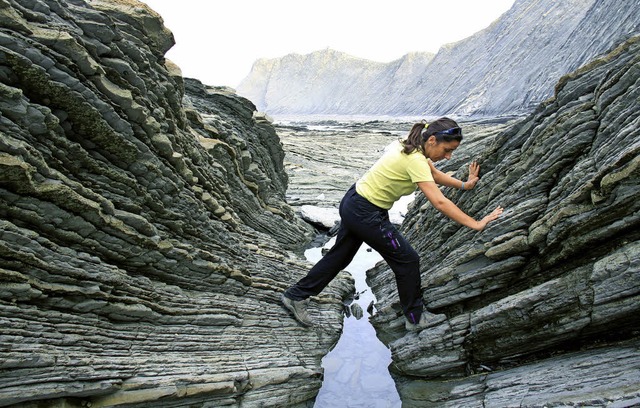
[542,307]
[324,160]
[144,238]
[507,68]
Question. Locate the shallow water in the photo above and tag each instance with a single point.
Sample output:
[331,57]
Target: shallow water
[356,371]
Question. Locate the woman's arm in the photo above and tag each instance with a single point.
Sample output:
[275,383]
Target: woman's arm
[444,179]
[448,208]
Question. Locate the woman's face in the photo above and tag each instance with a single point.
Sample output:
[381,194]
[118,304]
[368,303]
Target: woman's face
[437,151]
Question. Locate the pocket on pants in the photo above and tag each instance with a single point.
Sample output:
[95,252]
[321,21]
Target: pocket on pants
[391,237]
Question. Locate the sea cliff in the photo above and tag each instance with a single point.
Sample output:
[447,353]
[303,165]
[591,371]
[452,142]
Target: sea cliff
[506,69]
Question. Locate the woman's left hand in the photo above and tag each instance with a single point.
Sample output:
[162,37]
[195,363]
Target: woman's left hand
[474,170]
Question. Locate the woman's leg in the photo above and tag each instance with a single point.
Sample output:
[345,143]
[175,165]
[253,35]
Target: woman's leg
[339,257]
[365,222]
[404,261]
[372,225]
[323,272]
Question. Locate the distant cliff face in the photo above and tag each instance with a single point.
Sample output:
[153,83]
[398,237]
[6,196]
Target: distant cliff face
[543,306]
[324,81]
[508,68]
[144,236]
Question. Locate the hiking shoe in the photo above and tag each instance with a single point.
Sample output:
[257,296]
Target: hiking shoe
[299,309]
[426,319]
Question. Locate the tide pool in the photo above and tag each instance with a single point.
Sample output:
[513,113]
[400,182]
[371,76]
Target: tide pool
[356,371]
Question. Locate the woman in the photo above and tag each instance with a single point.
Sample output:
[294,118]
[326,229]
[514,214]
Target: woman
[365,218]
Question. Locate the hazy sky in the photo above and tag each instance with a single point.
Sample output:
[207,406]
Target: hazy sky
[217,42]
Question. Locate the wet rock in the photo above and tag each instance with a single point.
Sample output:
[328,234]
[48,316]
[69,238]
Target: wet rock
[356,311]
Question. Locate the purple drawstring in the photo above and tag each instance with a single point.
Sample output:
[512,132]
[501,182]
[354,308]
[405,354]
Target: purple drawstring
[394,242]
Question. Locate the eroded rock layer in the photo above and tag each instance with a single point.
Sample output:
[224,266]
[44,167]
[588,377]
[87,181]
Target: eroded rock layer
[542,307]
[144,237]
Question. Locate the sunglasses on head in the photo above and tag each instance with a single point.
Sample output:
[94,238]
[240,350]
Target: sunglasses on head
[449,132]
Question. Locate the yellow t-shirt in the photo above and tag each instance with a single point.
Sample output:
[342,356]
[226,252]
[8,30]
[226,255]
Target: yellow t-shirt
[394,175]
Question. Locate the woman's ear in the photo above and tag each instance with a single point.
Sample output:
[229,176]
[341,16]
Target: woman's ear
[432,140]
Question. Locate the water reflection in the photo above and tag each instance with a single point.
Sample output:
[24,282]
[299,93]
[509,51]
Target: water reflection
[356,371]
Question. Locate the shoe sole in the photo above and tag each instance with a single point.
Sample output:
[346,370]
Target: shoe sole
[291,309]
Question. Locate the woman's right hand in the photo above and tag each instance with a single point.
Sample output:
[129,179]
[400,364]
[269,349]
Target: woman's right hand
[486,220]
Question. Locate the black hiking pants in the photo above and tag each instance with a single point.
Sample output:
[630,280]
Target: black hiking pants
[361,222]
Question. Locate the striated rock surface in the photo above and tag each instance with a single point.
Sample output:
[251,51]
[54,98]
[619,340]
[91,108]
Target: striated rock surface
[542,307]
[507,68]
[144,237]
[323,159]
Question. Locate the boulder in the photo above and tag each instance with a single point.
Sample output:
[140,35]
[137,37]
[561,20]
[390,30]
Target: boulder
[323,217]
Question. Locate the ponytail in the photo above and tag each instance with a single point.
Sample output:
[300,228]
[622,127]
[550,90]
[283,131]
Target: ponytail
[414,140]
